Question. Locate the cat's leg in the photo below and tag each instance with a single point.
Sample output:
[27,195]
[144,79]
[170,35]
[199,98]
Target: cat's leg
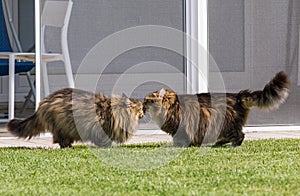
[101,139]
[62,140]
[65,143]
[55,138]
[239,139]
[104,144]
[222,139]
[235,136]
[220,142]
[181,138]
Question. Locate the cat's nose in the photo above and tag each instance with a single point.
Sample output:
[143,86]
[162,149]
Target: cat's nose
[141,116]
[145,108]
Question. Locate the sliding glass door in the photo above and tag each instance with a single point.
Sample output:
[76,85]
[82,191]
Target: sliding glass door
[250,41]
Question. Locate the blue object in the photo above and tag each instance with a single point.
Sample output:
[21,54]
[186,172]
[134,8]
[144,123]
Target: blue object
[6,47]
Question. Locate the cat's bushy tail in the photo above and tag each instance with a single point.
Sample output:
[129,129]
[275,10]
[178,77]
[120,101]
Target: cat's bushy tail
[274,93]
[25,128]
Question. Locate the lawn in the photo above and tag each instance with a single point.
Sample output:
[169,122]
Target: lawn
[263,167]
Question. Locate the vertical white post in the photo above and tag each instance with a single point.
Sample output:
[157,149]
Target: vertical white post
[203,53]
[37,52]
[197,46]
[11,86]
[188,46]
[194,48]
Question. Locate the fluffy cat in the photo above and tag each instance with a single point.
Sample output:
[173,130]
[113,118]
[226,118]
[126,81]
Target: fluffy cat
[77,115]
[218,117]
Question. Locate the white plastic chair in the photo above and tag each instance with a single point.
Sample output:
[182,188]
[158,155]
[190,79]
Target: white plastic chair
[54,14]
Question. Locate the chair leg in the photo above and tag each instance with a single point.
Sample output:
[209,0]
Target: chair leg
[30,94]
[31,84]
[27,101]
[69,73]
[45,78]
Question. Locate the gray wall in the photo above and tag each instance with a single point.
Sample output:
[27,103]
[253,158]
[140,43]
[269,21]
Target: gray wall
[93,20]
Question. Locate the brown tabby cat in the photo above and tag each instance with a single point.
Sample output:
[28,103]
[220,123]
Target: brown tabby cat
[76,115]
[194,119]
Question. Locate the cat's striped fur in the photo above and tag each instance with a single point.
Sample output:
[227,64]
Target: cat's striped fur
[208,117]
[77,115]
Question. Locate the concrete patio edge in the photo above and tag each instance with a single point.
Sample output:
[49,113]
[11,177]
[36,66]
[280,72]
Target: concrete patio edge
[45,141]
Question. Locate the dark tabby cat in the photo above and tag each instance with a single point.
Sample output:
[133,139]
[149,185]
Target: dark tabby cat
[76,115]
[195,119]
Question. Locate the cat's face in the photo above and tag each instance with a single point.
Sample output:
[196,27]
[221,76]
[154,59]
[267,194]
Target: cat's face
[136,107]
[158,102]
[132,107]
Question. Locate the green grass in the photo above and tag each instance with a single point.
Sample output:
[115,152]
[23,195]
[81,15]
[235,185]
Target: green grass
[264,167]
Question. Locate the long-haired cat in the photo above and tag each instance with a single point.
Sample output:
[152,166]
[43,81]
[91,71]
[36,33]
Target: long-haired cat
[194,119]
[77,115]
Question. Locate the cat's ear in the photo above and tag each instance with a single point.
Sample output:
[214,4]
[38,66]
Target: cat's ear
[124,95]
[127,102]
[161,93]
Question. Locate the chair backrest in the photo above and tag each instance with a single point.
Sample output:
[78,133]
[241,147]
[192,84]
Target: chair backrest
[4,39]
[56,14]
[5,46]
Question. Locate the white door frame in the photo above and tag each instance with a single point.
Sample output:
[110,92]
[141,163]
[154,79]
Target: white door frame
[196,21]
[37,10]
[196,45]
